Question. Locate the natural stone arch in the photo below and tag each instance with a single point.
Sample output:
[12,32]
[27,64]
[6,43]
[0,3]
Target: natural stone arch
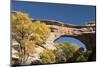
[84,33]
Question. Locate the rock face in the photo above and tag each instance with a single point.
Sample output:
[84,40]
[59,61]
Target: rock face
[89,40]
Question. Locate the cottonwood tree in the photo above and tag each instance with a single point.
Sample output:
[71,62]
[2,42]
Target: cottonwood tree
[28,34]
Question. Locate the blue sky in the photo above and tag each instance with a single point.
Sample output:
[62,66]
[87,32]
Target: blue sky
[74,14]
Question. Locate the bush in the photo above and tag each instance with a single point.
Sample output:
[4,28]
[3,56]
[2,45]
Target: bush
[47,57]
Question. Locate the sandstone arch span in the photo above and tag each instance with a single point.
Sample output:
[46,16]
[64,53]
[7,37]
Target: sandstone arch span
[85,33]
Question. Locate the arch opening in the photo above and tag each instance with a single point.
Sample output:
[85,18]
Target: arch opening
[71,40]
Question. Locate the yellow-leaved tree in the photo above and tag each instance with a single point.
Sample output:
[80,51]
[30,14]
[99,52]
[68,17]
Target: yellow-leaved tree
[28,34]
